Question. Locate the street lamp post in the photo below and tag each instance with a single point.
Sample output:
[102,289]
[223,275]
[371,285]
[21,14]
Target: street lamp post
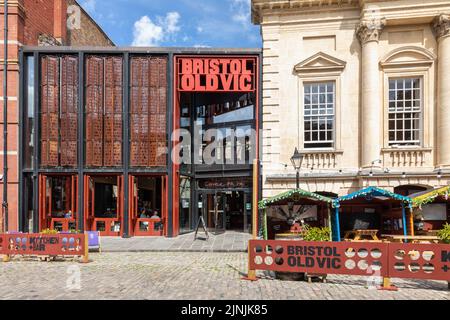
[297,160]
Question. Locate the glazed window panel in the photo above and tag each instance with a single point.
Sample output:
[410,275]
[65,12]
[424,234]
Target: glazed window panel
[319,114]
[58,111]
[29,120]
[104,110]
[405,111]
[148,112]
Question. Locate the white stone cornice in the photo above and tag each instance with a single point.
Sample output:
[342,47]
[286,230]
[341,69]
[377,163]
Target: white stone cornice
[441,26]
[370,30]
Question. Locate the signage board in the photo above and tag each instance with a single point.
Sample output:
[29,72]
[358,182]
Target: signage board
[216,74]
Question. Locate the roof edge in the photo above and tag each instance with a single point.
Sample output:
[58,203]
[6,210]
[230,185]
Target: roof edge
[94,22]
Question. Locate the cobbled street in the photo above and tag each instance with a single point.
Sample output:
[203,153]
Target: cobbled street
[195,275]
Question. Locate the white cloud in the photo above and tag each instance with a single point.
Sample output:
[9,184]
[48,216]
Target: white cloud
[199,29]
[146,33]
[171,22]
[241,11]
[149,33]
[201,46]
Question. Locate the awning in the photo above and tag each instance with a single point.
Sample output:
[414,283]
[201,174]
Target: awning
[373,192]
[293,195]
[369,193]
[429,196]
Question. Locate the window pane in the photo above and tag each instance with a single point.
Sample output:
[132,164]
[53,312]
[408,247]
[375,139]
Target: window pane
[307,136]
[307,99]
[319,114]
[404,97]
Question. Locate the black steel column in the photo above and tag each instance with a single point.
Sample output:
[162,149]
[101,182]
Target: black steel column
[126,142]
[170,106]
[81,199]
[37,145]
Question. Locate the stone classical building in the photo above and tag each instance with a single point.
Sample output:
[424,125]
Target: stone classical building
[361,88]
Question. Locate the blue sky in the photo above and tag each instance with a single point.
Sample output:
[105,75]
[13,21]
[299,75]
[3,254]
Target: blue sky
[181,23]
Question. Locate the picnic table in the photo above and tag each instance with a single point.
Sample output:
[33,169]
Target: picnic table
[411,239]
[357,235]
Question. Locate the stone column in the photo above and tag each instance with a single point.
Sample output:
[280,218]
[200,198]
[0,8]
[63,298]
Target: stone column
[368,32]
[441,28]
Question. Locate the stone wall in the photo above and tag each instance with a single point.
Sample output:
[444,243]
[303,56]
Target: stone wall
[359,45]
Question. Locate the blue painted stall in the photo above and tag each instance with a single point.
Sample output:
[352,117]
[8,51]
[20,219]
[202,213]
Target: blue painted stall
[367,195]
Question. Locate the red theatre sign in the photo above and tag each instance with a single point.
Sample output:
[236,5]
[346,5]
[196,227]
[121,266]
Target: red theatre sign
[219,74]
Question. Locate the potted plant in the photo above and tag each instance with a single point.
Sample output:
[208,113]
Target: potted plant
[49,231]
[317,235]
[444,234]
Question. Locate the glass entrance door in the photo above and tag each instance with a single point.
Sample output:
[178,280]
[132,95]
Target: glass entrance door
[213,209]
[220,212]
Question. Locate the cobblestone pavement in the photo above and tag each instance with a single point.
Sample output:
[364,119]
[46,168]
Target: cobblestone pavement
[230,241]
[172,275]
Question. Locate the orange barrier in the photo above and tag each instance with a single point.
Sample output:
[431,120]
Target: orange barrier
[25,244]
[387,260]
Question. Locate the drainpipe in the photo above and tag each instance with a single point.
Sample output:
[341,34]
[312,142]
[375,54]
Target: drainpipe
[5,120]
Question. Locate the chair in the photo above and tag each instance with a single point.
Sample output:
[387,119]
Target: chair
[94,240]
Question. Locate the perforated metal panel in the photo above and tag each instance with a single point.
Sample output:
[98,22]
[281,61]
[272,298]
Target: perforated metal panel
[148,105]
[104,107]
[69,111]
[59,108]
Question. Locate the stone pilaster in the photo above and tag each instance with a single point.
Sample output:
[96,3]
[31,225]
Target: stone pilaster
[441,29]
[368,33]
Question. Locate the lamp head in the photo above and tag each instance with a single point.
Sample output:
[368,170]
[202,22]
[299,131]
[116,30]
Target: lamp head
[297,159]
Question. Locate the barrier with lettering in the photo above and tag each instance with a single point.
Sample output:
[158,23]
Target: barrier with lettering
[24,244]
[417,261]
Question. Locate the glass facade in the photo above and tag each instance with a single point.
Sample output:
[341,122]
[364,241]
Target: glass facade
[29,108]
[102,144]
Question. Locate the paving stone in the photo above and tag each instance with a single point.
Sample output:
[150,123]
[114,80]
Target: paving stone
[186,275]
[229,241]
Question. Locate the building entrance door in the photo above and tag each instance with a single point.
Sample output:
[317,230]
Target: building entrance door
[225,210]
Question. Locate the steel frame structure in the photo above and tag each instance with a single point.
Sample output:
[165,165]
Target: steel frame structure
[125,170]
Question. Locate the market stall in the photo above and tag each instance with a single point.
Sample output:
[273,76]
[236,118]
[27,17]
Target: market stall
[431,210]
[371,213]
[287,212]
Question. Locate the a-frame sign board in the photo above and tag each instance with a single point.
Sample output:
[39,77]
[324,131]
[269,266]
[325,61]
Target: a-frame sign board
[203,224]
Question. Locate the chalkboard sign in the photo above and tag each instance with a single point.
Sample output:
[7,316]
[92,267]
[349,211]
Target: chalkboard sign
[360,221]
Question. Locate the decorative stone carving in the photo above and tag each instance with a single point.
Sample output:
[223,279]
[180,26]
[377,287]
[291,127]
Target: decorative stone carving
[441,26]
[370,30]
[46,40]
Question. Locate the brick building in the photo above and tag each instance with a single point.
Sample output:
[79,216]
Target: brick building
[34,22]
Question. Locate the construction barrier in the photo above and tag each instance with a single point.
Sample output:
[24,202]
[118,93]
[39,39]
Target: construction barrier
[24,244]
[387,260]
